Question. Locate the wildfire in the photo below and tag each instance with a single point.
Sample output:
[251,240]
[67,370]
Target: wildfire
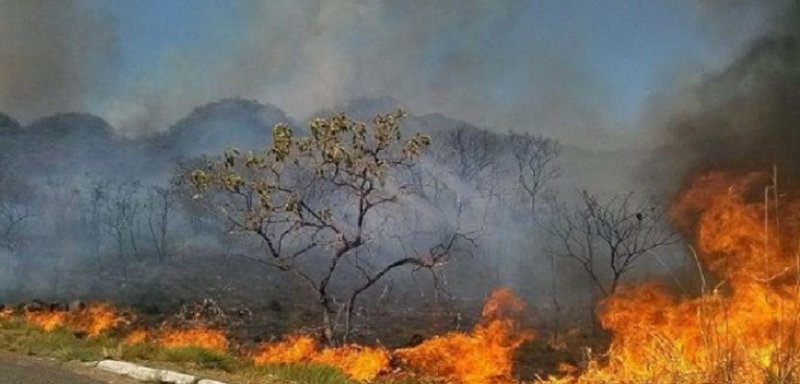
[483,356]
[137,336]
[357,362]
[92,320]
[198,336]
[48,321]
[745,326]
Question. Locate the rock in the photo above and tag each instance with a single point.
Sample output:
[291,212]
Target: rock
[206,381]
[131,370]
[176,378]
[142,373]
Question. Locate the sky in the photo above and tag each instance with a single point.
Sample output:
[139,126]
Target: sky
[572,69]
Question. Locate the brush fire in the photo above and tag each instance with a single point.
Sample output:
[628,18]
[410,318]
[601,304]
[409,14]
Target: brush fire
[741,328]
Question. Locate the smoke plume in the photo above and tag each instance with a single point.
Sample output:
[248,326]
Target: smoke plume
[55,56]
[745,116]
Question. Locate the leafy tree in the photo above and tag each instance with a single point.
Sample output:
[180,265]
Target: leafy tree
[318,201]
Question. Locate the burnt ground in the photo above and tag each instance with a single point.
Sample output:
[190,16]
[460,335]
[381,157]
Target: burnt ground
[259,305]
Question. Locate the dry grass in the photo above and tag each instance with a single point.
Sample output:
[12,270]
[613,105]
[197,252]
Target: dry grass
[63,345]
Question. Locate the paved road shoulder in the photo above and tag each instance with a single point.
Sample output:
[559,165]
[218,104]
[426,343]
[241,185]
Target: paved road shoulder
[16,369]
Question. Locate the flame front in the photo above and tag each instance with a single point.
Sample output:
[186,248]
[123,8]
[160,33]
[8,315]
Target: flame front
[198,336]
[483,356]
[93,320]
[745,326]
[357,362]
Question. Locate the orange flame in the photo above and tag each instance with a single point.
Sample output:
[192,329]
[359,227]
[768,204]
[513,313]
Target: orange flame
[93,320]
[199,336]
[357,362]
[48,321]
[483,356]
[743,329]
[137,336]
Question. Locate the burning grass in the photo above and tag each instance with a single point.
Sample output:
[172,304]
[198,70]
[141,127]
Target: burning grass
[357,362]
[92,321]
[744,327]
[484,355]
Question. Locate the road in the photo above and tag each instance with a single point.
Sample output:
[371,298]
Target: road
[25,370]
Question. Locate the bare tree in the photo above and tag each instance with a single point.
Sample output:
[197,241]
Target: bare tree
[121,209]
[12,224]
[14,211]
[606,237]
[535,162]
[158,209]
[471,151]
[321,198]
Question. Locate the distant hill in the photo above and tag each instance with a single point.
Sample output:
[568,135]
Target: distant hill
[365,109]
[211,128]
[67,144]
[8,125]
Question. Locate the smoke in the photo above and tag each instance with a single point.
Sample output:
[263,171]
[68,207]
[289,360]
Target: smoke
[745,115]
[55,56]
[479,61]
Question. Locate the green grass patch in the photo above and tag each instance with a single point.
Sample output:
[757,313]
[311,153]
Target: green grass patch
[307,373]
[200,357]
[60,344]
[16,336]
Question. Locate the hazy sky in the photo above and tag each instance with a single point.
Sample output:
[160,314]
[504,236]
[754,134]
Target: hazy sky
[572,69]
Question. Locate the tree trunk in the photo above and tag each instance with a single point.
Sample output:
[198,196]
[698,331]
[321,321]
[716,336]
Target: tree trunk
[327,326]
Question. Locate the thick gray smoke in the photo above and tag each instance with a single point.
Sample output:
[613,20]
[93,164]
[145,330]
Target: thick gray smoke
[744,117]
[55,56]
[467,60]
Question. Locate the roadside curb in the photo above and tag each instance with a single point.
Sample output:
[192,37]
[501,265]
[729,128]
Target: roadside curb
[142,373]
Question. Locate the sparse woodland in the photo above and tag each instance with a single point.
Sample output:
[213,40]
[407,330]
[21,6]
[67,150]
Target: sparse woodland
[351,217]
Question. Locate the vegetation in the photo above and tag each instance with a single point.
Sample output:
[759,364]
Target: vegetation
[64,345]
[325,196]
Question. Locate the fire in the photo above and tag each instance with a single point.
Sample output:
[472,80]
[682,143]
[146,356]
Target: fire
[293,349]
[137,336]
[198,336]
[483,356]
[93,320]
[48,321]
[745,326]
[357,362]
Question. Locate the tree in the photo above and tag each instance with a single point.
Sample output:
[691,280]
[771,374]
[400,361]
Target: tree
[606,237]
[15,211]
[158,209]
[12,224]
[534,159]
[323,197]
[121,209]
